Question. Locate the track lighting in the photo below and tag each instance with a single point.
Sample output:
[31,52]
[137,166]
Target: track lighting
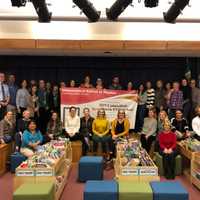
[117,8]
[174,11]
[88,9]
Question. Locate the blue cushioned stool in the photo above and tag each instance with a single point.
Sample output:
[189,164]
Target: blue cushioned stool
[101,190]
[90,168]
[169,190]
[16,159]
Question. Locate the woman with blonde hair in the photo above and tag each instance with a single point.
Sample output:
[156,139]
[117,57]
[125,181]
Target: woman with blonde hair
[120,128]
[167,149]
[162,117]
[100,129]
[120,125]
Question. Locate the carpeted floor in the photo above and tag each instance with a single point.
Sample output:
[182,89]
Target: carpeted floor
[74,189]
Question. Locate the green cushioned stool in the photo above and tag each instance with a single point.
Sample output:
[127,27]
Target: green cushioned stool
[129,190]
[178,163]
[39,191]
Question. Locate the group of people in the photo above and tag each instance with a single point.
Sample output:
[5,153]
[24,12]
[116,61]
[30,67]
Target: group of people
[162,133]
[28,136]
[30,116]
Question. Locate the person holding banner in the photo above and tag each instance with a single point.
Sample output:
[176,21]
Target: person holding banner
[99,84]
[120,127]
[86,83]
[100,129]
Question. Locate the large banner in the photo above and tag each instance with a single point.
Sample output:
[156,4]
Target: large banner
[110,100]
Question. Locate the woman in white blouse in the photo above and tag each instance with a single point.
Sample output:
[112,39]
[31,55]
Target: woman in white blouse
[72,126]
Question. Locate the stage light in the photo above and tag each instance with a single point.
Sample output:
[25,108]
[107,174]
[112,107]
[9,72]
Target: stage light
[42,11]
[151,3]
[175,10]
[18,3]
[88,9]
[117,8]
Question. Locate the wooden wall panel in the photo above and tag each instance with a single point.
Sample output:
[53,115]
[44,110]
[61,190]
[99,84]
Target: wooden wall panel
[102,45]
[183,45]
[145,45]
[58,44]
[17,44]
[159,48]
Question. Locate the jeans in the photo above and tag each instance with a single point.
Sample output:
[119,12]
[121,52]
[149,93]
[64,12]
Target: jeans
[105,141]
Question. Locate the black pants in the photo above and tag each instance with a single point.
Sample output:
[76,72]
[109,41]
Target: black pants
[197,137]
[79,137]
[20,115]
[187,111]
[172,113]
[18,141]
[3,110]
[140,115]
[43,120]
[146,143]
[169,164]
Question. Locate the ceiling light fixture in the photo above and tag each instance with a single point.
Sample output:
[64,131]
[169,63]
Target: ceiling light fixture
[88,9]
[117,8]
[175,10]
[151,3]
[42,10]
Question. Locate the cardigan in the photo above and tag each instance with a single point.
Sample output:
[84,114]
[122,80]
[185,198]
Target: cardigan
[126,128]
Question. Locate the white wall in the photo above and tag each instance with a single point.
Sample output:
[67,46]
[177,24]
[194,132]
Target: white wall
[100,30]
[63,8]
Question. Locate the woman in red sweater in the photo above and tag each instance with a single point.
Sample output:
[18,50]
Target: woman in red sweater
[167,143]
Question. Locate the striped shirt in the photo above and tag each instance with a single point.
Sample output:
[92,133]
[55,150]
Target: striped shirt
[150,97]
